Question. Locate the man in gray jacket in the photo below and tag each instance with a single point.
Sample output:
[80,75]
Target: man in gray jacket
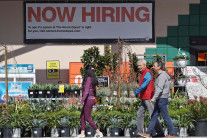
[162,92]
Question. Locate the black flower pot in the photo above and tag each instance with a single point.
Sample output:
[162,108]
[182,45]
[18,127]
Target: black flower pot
[32,93]
[26,132]
[64,132]
[37,132]
[90,132]
[75,93]
[200,128]
[1,133]
[50,94]
[41,94]
[7,132]
[133,132]
[115,132]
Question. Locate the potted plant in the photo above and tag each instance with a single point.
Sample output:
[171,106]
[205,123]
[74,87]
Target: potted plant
[198,110]
[74,123]
[114,87]
[49,91]
[42,91]
[181,80]
[32,91]
[103,93]
[75,90]
[115,126]
[16,124]
[181,60]
[67,90]
[126,124]
[64,124]
[124,89]
[133,128]
[38,125]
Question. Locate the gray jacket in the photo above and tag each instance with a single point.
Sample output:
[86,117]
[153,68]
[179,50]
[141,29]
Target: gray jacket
[162,88]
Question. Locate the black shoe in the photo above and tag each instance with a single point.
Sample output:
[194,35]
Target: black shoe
[159,135]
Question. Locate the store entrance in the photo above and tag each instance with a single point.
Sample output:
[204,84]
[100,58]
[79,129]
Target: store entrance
[198,55]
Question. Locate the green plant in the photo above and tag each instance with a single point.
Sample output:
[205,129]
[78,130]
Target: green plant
[16,121]
[64,122]
[103,91]
[114,86]
[198,110]
[115,123]
[181,76]
[67,87]
[92,56]
[181,57]
[74,119]
[133,86]
[75,87]
[133,123]
[48,86]
[38,123]
[35,87]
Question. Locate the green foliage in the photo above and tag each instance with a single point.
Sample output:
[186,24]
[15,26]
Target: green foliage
[198,110]
[92,56]
[64,122]
[103,91]
[181,57]
[38,123]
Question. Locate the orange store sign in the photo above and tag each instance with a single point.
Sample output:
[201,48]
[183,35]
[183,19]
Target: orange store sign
[75,77]
[202,56]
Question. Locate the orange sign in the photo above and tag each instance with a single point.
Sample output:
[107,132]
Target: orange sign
[170,67]
[75,77]
[202,56]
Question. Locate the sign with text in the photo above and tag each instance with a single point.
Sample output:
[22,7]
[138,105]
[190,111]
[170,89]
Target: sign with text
[89,22]
[53,69]
[103,81]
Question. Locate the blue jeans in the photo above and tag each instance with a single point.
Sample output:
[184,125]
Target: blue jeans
[161,107]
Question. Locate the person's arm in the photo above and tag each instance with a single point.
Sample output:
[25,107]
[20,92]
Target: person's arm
[86,89]
[159,87]
[145,83]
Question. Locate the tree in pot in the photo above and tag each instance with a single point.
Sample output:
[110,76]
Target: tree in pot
[64,124]
[38,125]
[198,110]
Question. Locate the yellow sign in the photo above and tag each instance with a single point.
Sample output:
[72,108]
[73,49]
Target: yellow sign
[61,88]
[53,69]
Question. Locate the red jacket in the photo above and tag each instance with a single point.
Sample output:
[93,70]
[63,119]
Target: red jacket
[148,93]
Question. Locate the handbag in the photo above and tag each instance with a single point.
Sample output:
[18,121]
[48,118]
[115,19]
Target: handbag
[96,100]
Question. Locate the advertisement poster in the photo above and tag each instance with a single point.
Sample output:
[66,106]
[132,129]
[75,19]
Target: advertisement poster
[89,22]
[17,68]
[53,69]
[17,90]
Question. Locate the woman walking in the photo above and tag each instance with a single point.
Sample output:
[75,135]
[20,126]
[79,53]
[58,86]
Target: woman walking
[88,99]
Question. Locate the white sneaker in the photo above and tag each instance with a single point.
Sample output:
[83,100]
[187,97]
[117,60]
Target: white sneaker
[98,135]
[80,136]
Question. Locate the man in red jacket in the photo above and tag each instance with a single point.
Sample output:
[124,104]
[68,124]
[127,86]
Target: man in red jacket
[145,92]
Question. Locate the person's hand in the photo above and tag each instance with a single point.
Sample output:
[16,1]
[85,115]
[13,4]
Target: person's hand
[132,95]
[152,101]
